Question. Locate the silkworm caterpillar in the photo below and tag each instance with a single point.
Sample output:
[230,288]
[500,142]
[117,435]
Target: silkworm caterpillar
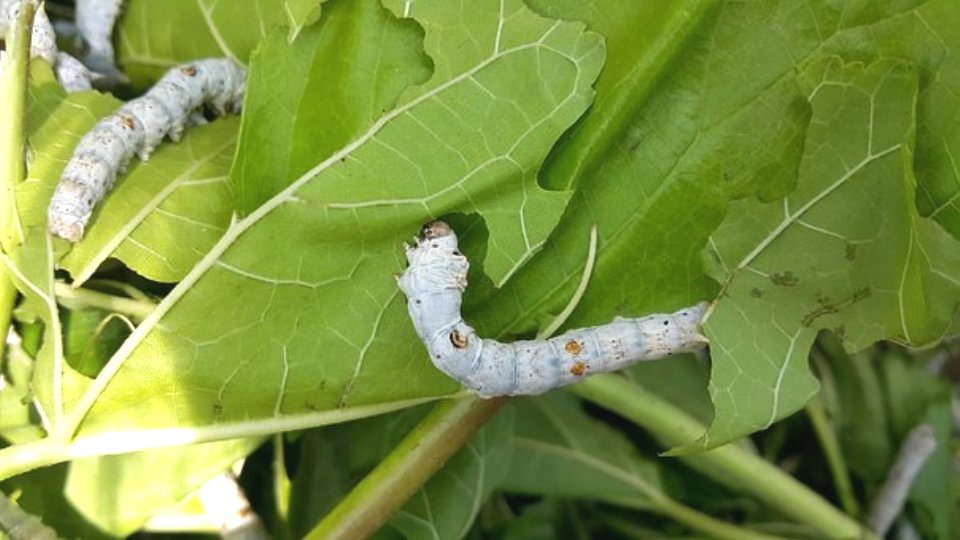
[434,282]
[137,128]
[95,20]
[70,72]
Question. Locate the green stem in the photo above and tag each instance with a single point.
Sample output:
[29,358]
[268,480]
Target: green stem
[84,298]
[730,464]
[8,295]
[21,458]
[281,487]
[395,479]
[13,110]
[714,527]
[831,450]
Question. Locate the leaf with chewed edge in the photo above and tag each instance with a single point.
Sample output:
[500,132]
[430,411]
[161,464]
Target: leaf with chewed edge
[846,251]
[311,328]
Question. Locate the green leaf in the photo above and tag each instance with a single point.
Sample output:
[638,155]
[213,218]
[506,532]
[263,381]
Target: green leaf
[559,450]
[278,144]
[17,423]
[846,251]
[160,217]
[447,504]
[41,493]
[120,493]
[316,330]
[154,36]
[164,213]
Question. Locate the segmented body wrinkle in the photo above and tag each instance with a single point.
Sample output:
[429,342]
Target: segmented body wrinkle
[138,127]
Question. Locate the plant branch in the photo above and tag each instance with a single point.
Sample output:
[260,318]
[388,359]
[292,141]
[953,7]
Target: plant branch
[14,78]
[730,464]
[86,298]
[395,479]
[831,450]
[919,445]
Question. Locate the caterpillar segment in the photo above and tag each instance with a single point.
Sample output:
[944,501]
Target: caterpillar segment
[434,283]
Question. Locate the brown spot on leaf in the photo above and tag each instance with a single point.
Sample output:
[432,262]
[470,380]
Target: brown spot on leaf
[756,292]
[573,347]
[850,252]
[459,340]
[578,369]
[784,279]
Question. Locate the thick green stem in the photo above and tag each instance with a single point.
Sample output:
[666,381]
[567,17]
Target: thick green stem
[395,479]
[730,464]
[13,132]
[831,450]
[81,298]
[21,458]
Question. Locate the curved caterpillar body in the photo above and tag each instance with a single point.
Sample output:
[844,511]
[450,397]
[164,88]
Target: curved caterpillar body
[434,283]
[137,128]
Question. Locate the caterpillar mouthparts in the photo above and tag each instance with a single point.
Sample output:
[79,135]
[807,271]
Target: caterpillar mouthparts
[434,283]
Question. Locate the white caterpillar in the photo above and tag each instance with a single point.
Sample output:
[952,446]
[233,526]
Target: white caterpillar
[95,20]
[71,73]
[434,283]
[137,128]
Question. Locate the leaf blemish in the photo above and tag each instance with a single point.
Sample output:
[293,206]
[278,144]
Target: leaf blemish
[784,279]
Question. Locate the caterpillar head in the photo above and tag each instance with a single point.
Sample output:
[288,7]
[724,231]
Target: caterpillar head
[435,263]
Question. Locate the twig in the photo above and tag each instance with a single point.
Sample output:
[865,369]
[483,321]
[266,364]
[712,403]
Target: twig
[916,450]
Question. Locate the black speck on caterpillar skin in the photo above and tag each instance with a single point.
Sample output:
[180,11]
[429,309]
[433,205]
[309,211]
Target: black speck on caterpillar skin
[137,128]
[434,283]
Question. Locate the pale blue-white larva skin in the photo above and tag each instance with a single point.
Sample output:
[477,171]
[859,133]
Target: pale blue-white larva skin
[95,21]
[434,283]
[137,128]
[70,72]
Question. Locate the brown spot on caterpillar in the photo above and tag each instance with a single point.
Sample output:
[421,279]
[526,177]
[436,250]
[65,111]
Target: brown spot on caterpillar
[127,121]
[190,71]
[578,369]
[459,340]
[573,347]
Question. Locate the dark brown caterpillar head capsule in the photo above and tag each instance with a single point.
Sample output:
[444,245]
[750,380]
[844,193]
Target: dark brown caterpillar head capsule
[435,229]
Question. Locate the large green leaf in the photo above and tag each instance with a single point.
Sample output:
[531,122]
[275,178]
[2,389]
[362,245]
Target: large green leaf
[313,328]
[710,132]
[847,251]
[153,36]
[119,494]
[278,144]
[164,213]
[559,450]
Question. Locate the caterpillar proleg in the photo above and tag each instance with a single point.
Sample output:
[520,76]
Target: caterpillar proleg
[434,283]
[137,128]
